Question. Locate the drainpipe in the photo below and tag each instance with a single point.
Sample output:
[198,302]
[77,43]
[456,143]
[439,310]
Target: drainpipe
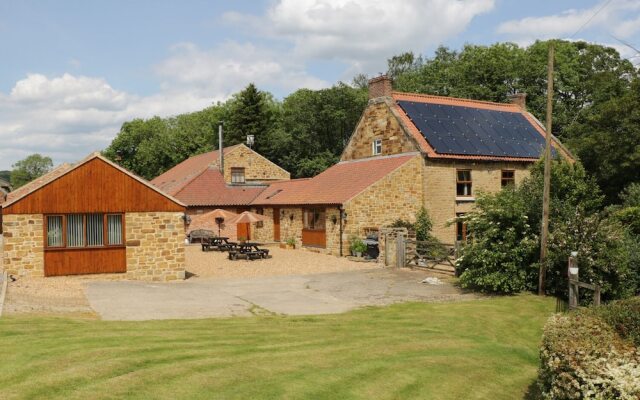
[220,148]
[340,211]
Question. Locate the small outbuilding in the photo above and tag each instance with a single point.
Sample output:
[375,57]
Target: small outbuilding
[93,217]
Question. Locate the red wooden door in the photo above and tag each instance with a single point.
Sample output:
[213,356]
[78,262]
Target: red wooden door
[276,224]
[243,231]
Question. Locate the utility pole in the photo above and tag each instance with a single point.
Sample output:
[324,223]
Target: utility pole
[547,176]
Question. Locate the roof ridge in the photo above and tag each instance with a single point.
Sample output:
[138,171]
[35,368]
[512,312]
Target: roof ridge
[385,157]
[433,96]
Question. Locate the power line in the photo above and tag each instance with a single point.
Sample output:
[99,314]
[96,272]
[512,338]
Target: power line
[591,18]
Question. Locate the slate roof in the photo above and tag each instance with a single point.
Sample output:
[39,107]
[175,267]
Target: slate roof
[335,185]
[446,127]
[175,179]
[208,188]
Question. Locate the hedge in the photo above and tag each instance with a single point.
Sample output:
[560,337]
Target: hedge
[583,357]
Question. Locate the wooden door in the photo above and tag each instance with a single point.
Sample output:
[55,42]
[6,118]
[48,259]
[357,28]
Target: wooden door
[243,231]
[276,224]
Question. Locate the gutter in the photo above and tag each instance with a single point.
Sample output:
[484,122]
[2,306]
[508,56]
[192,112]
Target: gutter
[341,212]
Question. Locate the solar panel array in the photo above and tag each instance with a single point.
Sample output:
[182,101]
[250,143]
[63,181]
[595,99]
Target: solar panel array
[472,131]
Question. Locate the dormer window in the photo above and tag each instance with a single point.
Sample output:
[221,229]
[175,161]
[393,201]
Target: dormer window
[237,175]
[376,147]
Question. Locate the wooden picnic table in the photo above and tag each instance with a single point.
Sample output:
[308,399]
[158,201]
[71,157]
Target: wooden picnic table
[250,249]
[219,242]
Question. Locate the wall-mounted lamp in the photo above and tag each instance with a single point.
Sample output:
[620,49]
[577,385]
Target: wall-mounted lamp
[334,219]
[344,216]
[186,218]
[291,217]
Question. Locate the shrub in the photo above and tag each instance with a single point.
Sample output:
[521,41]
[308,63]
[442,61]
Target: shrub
[423,225]
[624,317]
[503,256]
[630,196]
[357,245]
[582,357]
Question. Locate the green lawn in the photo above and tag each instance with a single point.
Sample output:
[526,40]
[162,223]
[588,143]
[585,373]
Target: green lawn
[471,350]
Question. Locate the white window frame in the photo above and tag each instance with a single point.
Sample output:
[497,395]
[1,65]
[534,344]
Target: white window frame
[376,147]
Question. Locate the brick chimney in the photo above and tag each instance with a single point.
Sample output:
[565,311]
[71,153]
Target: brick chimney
[519,99]
[379,86]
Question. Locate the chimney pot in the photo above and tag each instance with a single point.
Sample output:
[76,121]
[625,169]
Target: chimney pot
[519,99]
[380,87]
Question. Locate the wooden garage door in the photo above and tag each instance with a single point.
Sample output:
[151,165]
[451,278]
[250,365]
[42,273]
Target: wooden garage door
[85,261]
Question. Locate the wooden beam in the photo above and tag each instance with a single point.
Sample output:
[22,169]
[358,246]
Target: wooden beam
[547,176]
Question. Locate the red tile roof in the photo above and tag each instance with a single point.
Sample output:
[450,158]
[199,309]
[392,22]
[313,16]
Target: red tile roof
[336,185]
[209,189]
[175,179]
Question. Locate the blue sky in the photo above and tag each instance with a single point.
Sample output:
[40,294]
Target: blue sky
[72,71]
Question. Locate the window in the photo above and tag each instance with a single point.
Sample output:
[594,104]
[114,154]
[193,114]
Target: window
[376,147]
[463,182]
[114,229]
[75,230]
[54,231]
[461,228]
[508,177]
[260,211]
[314,219]
[237,175]
[84,230]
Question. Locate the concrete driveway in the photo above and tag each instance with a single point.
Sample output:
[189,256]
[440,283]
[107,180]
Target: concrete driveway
[288,295]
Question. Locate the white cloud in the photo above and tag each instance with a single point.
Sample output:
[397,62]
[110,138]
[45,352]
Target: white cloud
[620,16]
[230,67]
[363,33]
[69,116]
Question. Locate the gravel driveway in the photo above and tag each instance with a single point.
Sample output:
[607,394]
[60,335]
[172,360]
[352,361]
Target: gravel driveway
[285,295]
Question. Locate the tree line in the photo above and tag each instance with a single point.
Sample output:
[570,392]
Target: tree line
[596,111]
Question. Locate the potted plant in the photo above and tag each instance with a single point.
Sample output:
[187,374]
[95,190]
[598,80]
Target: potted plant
[291,243]
[357,247]
[242,239]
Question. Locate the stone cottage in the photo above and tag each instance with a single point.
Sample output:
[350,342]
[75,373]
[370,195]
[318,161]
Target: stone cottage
[229,180]
[93,217]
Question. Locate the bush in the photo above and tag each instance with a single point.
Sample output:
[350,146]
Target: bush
[582,357]
[357,245]
[503,256]
[624,317]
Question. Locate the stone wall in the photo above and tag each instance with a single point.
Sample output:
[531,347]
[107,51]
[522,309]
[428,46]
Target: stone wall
[291,224]
[155,246]
[263,232]
[256,167]
[23,237]
[440,190]
[396,196]
[377,122]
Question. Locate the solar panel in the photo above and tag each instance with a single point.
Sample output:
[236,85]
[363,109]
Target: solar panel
[471,131]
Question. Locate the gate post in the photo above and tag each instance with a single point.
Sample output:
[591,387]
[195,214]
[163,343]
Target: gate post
[573,280]
[400,251]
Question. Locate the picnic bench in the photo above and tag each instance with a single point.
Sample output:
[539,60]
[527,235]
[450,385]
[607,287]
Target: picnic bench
[216,243]
[250,250]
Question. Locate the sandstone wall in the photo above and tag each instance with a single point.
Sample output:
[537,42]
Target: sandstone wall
[377,122]
[256,167]
[264,232]
[440,189]
[155,246]
[396,196]
[23,237]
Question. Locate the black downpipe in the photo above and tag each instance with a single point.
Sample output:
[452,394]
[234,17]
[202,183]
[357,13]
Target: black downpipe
[340,210]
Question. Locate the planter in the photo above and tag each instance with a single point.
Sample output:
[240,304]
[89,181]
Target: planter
[358,254]
[290,246]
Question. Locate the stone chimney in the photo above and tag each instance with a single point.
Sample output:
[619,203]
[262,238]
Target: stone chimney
[379,87]
[519,99]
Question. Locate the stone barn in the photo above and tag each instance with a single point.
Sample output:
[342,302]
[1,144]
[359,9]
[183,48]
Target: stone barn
[93,217]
